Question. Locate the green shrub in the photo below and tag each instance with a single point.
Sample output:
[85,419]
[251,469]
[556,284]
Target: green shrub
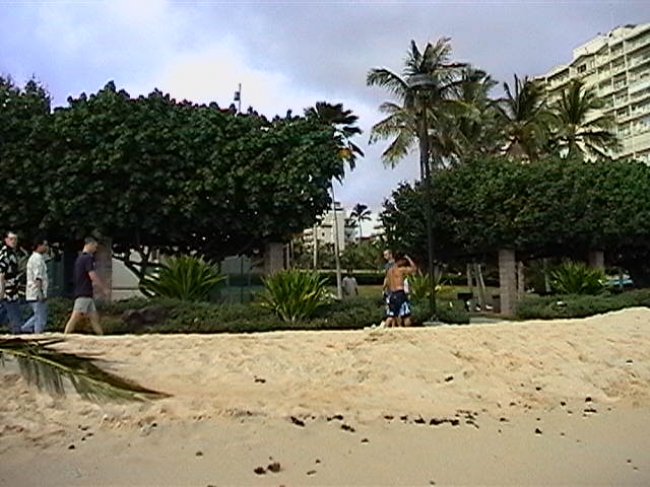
[350,313]
[420,285]
[579,306]
[577,278]
[294,295]
[451,312]
[186,277]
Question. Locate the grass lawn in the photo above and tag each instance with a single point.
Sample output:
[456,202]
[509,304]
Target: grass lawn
[447,292]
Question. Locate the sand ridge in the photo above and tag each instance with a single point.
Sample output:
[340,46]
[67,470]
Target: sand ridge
[367,374]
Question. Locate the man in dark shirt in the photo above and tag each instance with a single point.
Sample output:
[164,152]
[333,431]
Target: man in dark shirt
[84,276]
[9,273]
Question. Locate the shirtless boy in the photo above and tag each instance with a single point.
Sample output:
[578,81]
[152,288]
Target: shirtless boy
[399,312]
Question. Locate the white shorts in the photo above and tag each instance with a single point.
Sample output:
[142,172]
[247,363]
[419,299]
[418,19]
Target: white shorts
[84,305]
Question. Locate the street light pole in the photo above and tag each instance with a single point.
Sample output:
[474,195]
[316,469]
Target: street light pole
[417,82]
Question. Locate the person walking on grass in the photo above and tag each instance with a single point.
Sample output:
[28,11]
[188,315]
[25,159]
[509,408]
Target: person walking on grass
[399,311]
[9,274]
[36,288]
[84,276]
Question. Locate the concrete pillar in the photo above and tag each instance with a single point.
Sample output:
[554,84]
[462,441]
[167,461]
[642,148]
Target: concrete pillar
[273,257]
[507,282]
[104,266]
[597,259]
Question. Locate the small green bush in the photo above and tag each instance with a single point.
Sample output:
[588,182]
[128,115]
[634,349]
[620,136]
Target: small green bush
[350,313]
[294,295]
[451,312]
[579,306]
[185,277]
[577,278]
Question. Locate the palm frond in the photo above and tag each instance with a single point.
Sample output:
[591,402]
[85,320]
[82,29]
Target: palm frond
[48,369]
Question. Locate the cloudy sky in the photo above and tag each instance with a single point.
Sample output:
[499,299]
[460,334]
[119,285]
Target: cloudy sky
[289,54]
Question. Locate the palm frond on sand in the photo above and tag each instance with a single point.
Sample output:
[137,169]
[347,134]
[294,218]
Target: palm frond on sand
[48,369]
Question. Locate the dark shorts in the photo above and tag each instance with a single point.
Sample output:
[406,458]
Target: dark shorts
[398,304]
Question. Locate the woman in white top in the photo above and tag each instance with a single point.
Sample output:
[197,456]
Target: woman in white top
[36,290]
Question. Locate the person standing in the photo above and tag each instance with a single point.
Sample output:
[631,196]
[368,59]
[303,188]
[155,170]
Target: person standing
[399,311]
[83,277]
[9,273]
[350,286]
[36,288]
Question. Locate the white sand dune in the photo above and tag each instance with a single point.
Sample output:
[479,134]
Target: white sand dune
[506,369]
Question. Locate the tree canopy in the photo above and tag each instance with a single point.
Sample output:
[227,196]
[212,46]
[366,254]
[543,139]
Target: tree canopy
[552,207]
[153,172]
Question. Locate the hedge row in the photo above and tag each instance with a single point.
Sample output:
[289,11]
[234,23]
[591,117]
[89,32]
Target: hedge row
[552,307]
[171,316]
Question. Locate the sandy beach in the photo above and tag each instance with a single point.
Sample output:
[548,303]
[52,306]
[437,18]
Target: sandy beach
[565,402]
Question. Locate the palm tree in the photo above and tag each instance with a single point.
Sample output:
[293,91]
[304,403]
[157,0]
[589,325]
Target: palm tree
[426,92]
[476,130]
[525,118]
[360,213]
[578,129]
[344,123]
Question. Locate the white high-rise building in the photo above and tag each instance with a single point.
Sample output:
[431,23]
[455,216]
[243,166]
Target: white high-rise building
[325,231]
[617,65]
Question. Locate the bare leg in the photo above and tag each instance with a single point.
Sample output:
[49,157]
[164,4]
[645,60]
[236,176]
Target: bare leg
[94,322]
[75,318]
[407,321]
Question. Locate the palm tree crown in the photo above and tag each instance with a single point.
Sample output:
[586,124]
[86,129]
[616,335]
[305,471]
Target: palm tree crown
[344,123]
[442,79]
[360,213]
[525,118]
[578,128]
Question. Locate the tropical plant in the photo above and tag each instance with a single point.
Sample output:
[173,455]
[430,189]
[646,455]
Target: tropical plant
[360,213]
[476,129]
[294,295]
[525,119]
[48,368]
[345,127]
[577,278]
[186,277]
[344,123]
[420,285]
[418,109]
[578,130]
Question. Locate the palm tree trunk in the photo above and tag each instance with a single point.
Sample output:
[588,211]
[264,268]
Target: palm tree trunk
[337,258]
[425,173]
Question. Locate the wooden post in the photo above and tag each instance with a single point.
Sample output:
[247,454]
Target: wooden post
[507,282]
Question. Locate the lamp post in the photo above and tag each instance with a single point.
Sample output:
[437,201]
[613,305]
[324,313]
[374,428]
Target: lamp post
[420,82]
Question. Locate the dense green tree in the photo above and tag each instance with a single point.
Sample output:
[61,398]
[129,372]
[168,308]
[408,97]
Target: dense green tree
[25,136]
[156,174]
[556,207]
